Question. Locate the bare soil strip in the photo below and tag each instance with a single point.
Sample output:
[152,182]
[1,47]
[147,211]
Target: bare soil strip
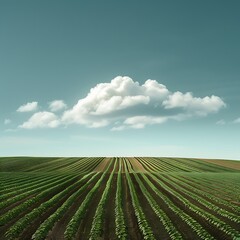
[181,226]
[102,165]
[59,228]
[33,226]
[109,215]
[86,223]
[131,220]
[224,163]
[154,222]
[200,205]
[137,166]
[208,227]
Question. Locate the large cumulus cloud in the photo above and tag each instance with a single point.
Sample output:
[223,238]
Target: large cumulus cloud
[127,104]
[124,103]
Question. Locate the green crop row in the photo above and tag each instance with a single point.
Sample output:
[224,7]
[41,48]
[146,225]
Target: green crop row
[216,188]
[167,223]
[32,185]
[50,188]
[205,203]
[16,229]
[121,232]
[186,184]
[19,181]
[141,218]
[47,225]
[172,231]
[222,226]
[197,228]
[97,224]
[73,225]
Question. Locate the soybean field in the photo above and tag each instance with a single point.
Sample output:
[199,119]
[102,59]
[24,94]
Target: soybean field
[119,198]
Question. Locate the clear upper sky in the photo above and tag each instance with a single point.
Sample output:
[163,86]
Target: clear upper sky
[53,52]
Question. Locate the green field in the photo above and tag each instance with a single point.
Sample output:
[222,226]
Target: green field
[119,198]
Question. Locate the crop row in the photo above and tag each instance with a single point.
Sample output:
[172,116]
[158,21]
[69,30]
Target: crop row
[73,225]
[97,224]
[167,223]
[141,218]
[47,225]
[121,231]
[187,184]
[16,229]
[222,226]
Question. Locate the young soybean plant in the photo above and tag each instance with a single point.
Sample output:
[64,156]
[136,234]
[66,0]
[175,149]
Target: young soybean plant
[97,225]
[73,225]
[121,232]
[142,221]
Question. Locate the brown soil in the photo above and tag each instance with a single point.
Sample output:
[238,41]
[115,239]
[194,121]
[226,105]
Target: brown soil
[147,166]
[131,220]
[29,231]
[153,220]
[225,163]
[200,205]
[215,232]
[123,170]
[102,165]
[4,228]
[206,198]
[59,228]
[177,221]
[133,230]
[111,165]
[86,223]
[109,215]
[137,166]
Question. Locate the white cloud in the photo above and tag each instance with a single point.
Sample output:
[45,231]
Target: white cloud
[236,120]
[57,105]
[7,121]
[123,104]
[108,101]
[142,121]
[119,128]
[28,107]
[134,106]
[41,120]
[198,106]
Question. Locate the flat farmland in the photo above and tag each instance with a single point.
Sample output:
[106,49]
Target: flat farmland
[119,198]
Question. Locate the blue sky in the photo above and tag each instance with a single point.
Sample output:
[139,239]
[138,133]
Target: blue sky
[165,78]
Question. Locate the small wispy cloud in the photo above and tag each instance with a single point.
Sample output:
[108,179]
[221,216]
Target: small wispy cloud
[7,121]
[236,120]
[57,105]
[41,120]
[28,107]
